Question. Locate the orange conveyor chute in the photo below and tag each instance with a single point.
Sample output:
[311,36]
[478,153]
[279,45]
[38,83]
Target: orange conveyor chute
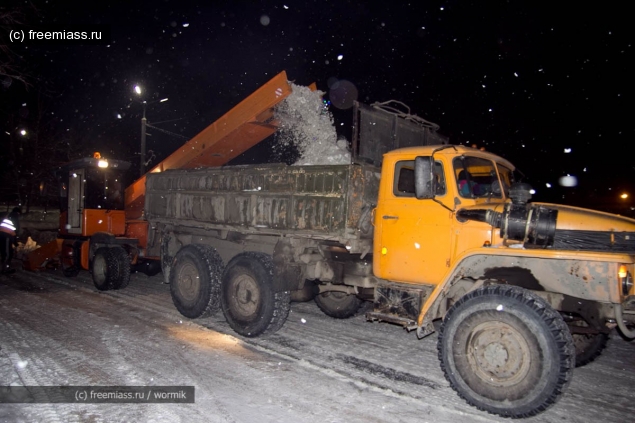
[244,126]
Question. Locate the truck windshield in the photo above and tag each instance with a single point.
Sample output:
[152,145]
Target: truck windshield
[476,177]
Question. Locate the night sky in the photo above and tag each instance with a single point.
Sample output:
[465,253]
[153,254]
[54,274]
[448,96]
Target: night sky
[545,86]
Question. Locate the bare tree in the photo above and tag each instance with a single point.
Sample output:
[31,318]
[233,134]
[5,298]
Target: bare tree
[10,67]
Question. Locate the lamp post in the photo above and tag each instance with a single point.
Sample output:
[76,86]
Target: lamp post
[142,158]
[144,124]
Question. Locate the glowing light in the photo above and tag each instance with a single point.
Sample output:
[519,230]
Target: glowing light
[624,196]
[137,89]
[102,163]
[23,132]
[568,181]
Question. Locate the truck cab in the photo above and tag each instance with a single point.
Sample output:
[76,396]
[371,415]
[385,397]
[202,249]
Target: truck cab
[526,291]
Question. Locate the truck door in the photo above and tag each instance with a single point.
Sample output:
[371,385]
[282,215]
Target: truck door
[76,183]
[414,235]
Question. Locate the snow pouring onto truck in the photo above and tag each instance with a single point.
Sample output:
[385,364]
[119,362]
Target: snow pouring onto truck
[307,126]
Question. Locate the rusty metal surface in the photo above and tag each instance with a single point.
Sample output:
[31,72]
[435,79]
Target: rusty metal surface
[377,131]
[584,279]
[319,200]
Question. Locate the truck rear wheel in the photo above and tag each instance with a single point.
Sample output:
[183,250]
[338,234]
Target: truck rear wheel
[250,303]
[195,280]
[338,304]
[506,351]
[588,347]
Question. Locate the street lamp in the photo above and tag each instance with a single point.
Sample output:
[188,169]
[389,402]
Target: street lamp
[144,123]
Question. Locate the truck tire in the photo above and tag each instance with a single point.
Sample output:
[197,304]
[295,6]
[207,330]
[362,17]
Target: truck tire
[250,303]
[338,304]
[104,273]
[118,259]
[195,279]
[588,347]
[506,351]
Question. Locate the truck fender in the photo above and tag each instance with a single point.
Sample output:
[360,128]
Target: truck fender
[559,281]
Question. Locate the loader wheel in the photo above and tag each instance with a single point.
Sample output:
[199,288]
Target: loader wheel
[119,262]
[338,304]
[506,351]
[195,280]
[71,271]
[103,273]
[250,303]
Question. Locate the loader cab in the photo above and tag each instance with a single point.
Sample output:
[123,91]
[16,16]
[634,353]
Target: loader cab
[92,196]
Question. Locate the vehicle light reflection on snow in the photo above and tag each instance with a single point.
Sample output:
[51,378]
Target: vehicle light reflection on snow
[210,340]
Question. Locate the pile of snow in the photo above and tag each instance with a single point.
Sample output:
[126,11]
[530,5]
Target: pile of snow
[307,125]
[25,248]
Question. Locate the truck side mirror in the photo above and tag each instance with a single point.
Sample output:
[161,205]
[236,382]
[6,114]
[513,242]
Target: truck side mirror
[425,180]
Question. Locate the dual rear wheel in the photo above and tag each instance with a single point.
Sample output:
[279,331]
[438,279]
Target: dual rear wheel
[244,289]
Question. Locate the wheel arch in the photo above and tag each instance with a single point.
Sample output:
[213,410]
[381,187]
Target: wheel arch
[568,285]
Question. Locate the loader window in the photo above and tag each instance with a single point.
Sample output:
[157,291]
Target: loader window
[104,190]
[404,183]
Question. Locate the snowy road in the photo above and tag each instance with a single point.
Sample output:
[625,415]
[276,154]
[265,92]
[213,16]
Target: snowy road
[59,331]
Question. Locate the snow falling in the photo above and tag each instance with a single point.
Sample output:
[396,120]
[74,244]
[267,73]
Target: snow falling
[306,124]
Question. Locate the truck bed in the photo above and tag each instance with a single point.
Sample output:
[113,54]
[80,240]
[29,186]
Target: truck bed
[326,202]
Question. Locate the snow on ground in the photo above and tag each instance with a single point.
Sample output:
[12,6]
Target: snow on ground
[59,331]
[306,124]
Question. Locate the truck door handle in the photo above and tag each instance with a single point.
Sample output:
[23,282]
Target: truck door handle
[390,217]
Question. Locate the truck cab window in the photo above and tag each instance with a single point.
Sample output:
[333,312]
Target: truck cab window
[404,185]
[475,177]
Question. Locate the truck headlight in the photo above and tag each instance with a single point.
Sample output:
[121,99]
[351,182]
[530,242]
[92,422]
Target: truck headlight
[626,279]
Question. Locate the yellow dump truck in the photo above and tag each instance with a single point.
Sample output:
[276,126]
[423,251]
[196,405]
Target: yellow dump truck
[425,231]
[524,291]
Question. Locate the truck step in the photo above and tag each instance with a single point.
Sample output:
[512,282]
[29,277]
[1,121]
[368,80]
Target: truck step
[407,323]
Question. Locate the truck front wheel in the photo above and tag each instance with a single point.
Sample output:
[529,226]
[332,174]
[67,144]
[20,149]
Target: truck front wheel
[251,305]
[338,304]
[195,279]
[506,351]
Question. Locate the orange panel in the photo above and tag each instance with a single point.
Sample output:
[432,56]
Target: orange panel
[97,220]
[84,254]
[36,258]
[138,229]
